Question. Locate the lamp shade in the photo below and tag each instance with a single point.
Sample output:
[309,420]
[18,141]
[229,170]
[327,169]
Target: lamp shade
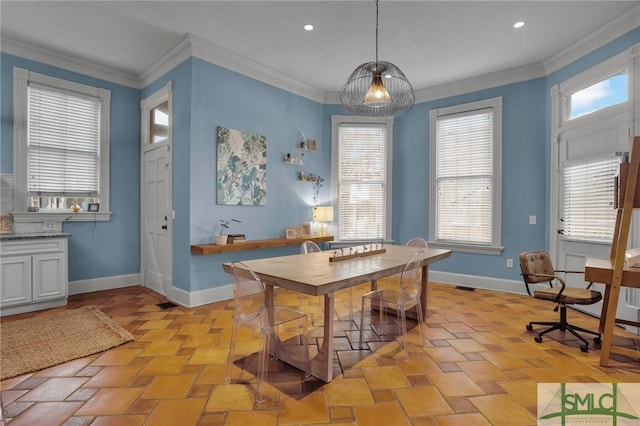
[323,213]
[377,89]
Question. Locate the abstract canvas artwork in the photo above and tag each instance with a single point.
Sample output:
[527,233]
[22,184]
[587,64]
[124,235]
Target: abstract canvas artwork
[242,168]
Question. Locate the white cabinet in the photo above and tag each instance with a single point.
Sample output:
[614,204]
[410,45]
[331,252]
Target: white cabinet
[33,274]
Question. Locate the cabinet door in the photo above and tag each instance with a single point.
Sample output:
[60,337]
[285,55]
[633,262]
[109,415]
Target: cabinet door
[49,276]
[15,272]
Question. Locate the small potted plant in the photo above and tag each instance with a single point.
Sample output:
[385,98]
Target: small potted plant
[221,238]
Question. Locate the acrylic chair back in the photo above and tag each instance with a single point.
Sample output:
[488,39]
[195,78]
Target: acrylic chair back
[411,279]
[248,292]
[309,247]
[417,242]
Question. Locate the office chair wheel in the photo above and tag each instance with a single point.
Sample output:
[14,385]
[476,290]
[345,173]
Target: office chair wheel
[538,339]
[529,327]
[584,348]
[597,340]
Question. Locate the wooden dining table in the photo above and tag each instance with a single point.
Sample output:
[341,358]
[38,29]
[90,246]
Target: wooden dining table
[317,275]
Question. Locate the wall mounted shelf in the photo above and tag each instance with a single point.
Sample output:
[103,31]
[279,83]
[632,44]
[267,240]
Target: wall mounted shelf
[207,249]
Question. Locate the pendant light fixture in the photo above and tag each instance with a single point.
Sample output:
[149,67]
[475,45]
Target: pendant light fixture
[377,88]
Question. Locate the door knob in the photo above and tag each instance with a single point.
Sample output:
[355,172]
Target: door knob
[164,227]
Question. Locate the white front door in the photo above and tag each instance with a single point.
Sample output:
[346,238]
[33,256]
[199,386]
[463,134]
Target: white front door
[156,207]
[593,122]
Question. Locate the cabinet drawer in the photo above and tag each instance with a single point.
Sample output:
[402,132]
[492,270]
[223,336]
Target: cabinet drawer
[46,245]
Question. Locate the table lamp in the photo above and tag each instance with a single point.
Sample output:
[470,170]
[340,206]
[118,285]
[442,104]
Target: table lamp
[322,214]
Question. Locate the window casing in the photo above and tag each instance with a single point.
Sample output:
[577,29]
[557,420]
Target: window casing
[465,177]
[361,177]
[61,146]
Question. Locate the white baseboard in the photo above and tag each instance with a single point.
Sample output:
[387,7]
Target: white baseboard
[225,292]
[474,281]
[106,283]
[201,297]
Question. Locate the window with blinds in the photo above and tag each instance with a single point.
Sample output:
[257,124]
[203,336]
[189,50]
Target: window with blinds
[465,187]
[587,211]
[63,143]
[464,177]
[362,174]
[61,149]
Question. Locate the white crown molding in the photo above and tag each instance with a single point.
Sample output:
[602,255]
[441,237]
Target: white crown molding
[174,57]
[67,62]
[614,29]
[245,66]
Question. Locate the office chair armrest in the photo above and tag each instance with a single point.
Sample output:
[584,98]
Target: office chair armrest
[561,281]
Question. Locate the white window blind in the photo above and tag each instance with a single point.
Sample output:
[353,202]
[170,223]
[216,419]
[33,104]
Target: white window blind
[63,143]
[588,186]
[362,180]
[464,177]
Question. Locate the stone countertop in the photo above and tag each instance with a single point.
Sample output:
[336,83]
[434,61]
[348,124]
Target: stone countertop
[34,236]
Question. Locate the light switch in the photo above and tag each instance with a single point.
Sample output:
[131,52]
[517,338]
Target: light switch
[532,219]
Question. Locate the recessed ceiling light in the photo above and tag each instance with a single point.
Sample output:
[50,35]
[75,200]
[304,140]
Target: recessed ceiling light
[519,24]
[308,27]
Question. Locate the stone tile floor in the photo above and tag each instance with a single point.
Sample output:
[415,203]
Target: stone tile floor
[480,367]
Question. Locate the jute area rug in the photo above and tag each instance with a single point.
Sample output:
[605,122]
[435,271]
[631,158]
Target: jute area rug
[50,339]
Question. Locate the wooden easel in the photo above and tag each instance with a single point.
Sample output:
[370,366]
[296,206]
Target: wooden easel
[627,188]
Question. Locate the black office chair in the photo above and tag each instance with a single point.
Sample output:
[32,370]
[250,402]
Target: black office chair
[537,269]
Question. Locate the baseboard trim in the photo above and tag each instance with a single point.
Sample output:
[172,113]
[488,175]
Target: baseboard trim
[474,281]
[106,283]
[193,299]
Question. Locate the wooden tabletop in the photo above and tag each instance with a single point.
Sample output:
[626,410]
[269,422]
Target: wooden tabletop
[599,270]
[313,273]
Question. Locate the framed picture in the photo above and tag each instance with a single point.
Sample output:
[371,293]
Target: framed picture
[304,229]
[93,207]
[290,233]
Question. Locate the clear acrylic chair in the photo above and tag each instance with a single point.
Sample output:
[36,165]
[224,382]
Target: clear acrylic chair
[308,247]
[392,281]
[311,247]
[401,300]
[250,309]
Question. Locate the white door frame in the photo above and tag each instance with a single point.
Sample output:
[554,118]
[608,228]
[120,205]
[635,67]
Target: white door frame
[630,58]
[146,105]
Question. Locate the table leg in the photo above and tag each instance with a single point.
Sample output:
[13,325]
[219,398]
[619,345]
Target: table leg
[322,363]
[605,306]
[424,292]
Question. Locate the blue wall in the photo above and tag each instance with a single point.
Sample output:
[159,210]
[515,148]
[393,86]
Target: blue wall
[207,96]
[115,247]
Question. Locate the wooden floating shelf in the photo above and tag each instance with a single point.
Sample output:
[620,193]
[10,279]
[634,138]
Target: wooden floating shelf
[339,258]
[206,249]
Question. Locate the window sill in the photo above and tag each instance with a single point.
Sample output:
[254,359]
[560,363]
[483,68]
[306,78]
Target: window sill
[61,217]
[467,248]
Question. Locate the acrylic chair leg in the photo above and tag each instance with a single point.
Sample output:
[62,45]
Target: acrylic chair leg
[403,326]
[420,319]
[305,347]
[232,346]
[262,369]
[362,311]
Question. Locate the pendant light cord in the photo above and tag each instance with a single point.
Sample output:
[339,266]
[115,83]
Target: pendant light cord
[376,34]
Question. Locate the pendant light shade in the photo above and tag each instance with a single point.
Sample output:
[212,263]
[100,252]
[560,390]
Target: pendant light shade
[377,88]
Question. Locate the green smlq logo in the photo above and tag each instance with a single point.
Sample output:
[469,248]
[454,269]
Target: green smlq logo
[588,404]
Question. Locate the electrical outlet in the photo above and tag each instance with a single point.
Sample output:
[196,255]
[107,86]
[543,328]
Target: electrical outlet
[532,219]
[49,226]
[509,263]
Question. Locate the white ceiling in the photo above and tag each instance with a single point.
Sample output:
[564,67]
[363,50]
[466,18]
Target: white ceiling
[433,42]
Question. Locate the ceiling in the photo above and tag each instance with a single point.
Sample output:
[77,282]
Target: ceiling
[433,42]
